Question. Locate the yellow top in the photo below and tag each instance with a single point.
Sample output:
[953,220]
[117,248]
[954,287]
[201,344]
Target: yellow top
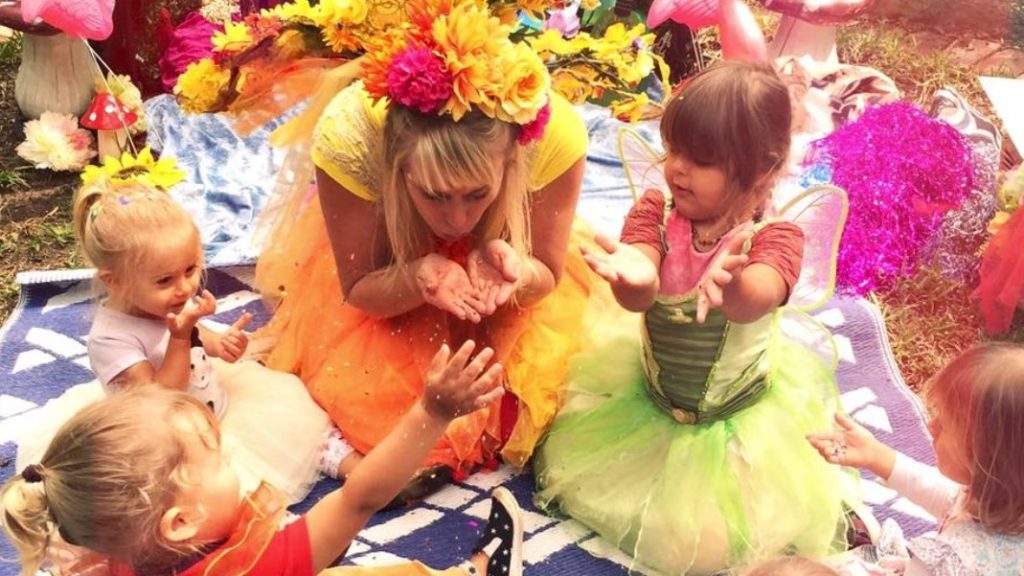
[348,142]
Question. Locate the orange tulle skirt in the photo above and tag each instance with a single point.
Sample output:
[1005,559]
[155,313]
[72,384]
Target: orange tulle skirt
[368,372]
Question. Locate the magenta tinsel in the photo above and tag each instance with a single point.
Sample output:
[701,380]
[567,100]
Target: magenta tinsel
[419,80]
[903,171]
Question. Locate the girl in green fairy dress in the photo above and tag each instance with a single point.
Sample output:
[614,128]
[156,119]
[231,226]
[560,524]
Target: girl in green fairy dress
[690,455]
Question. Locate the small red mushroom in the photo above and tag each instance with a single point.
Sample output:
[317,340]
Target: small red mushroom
[110,119]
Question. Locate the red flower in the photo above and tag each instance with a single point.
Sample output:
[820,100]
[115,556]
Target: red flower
[419,80]
[534,129]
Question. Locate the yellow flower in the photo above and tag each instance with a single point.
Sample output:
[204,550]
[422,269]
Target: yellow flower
[236,37]
[551,42]
[144,169]
[339,21]
[590,4]
[297,11]
[526,84]
[575,84]
[998,221]
[534,7]
[341,12]
[200,88]
[630,109]
[470,40]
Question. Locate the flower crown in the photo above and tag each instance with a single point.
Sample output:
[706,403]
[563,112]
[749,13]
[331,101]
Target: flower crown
[456,57]
[433,56]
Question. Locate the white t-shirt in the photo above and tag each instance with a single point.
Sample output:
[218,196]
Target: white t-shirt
[118,341]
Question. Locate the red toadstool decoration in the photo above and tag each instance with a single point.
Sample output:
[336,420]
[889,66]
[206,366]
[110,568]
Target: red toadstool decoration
[110,119]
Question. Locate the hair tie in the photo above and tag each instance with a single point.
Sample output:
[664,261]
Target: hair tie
[32,473]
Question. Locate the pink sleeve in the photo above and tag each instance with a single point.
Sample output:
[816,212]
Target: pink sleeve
[781,246]
[643,223]
[923,485]
[288,554]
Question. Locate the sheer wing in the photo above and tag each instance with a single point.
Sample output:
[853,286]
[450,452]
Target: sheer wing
[821,212]
[642,162]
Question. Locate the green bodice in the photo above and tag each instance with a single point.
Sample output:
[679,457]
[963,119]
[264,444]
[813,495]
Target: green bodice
[704,372]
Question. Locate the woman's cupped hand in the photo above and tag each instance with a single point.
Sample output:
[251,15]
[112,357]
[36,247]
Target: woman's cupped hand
[490,278]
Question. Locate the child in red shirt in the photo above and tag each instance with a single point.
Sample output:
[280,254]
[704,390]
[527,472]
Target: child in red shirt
[150,459]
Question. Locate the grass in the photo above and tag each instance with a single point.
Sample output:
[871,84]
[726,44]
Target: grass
[10,50]
[46,241]
[11,179]
[896,54]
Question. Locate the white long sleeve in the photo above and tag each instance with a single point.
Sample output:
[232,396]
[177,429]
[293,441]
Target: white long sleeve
[924,485]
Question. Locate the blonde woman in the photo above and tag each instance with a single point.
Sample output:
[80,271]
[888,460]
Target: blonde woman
[444,211]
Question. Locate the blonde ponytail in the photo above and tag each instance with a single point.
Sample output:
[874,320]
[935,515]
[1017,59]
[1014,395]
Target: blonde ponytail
[27,520]
[119,224]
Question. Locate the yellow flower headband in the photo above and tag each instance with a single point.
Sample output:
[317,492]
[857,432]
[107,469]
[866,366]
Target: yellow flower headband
[451,57]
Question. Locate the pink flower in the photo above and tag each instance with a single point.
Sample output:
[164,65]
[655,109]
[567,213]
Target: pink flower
[565,21]
[534,129]
[419,80]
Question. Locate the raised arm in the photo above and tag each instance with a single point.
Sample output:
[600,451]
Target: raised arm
[552,210]
[456,384]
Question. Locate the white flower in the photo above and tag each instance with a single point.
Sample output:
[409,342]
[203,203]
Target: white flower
[56,142]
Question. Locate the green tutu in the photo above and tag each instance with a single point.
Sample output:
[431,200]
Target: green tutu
[696,498]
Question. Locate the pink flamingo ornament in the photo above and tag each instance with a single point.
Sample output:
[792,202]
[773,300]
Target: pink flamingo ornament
[740,35]
[91,19]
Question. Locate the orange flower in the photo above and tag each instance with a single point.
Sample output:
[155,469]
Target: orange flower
[575,84]
[421,15]
[526,84]
[470,40]
[381,50]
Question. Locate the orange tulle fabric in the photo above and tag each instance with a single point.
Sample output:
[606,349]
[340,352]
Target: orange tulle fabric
[1001,288]
[367,372]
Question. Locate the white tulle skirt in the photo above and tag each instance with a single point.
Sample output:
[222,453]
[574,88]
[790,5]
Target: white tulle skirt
[272,429]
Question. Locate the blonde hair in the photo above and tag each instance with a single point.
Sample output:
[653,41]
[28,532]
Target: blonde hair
[452,153]
[119,225]
[980,395]
[791,566]
[107,478]
[735,115]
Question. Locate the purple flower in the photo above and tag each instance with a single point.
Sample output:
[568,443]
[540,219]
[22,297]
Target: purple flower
[565,21]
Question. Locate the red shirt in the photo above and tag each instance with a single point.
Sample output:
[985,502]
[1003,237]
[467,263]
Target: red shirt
[287,554]
[779,244]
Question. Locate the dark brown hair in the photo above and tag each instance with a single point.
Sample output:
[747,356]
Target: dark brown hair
[735,115]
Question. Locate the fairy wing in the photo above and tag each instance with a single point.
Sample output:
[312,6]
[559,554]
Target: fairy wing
[642,162]
[820,211]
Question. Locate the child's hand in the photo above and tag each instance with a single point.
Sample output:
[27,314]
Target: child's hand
[455,387]
[182,323]
[445,285]
[495,272]
[854,446]
[620,264]
[234,340]
[719,274]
